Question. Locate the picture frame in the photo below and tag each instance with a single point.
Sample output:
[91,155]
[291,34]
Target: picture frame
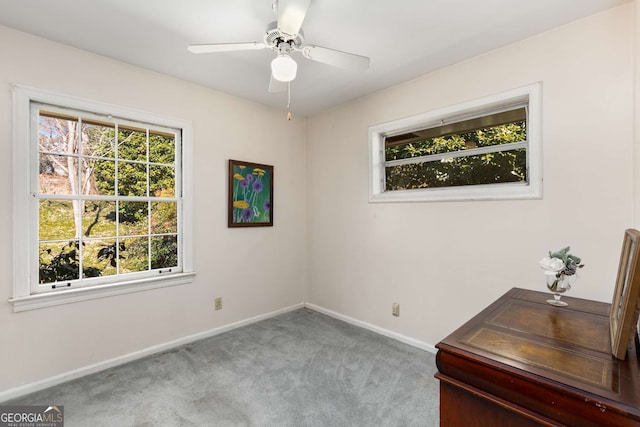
[623,315]
[250,194]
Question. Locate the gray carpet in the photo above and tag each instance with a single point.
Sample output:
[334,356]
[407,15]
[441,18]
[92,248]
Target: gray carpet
[298,369]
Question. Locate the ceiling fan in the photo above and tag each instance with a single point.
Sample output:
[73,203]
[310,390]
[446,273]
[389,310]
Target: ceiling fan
[284,37]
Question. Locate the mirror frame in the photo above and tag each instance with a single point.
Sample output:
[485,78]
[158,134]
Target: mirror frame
[623,314]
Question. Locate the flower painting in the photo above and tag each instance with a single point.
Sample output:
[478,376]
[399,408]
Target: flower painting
[250,194]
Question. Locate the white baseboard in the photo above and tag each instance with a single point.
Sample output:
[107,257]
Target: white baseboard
[100,366]
[387,333]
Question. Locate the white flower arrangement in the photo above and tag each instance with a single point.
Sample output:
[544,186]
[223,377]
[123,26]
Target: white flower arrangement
[560,264]
[551,266]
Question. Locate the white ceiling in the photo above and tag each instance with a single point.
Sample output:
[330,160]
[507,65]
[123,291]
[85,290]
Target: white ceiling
[403,38]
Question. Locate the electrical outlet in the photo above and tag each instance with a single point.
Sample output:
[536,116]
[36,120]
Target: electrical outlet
[218,303]
[395,309]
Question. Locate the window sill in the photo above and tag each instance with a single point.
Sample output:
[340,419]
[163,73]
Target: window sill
[463,193]
[50,299]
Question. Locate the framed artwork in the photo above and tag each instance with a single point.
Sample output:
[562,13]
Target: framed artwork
[623,316]
[250,194]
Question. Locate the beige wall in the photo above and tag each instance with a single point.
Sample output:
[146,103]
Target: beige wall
[240,265]
[444,261]
[636,128]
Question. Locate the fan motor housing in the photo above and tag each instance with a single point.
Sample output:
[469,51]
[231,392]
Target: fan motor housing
[273,37]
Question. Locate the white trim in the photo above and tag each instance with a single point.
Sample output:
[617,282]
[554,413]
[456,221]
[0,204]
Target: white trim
[74,102]
[50,299]
[21,185]
[101,366]
[23,239]
[531,190]
[373,328]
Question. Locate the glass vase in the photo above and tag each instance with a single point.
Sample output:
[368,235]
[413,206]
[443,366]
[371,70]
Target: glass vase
[559,285]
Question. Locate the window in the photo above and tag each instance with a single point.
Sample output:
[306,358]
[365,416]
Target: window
[484,149]
[105,201]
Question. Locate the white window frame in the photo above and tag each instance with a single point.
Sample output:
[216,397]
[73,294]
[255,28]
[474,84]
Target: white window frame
[532,189]
[25,232]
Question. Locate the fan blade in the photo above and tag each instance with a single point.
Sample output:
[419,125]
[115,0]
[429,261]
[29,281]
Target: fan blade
[225,47]
[277,85]
[291,13]
[335,57]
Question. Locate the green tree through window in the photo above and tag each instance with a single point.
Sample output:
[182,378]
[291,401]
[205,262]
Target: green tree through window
[108,202]
[449,170]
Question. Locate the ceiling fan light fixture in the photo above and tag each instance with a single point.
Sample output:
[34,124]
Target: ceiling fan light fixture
[284,68]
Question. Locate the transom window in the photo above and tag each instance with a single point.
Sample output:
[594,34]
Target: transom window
[484,149]
[105,210]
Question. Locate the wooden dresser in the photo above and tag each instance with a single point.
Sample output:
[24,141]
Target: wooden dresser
[523,362]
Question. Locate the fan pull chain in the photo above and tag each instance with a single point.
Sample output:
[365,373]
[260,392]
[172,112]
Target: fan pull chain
[288,100]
